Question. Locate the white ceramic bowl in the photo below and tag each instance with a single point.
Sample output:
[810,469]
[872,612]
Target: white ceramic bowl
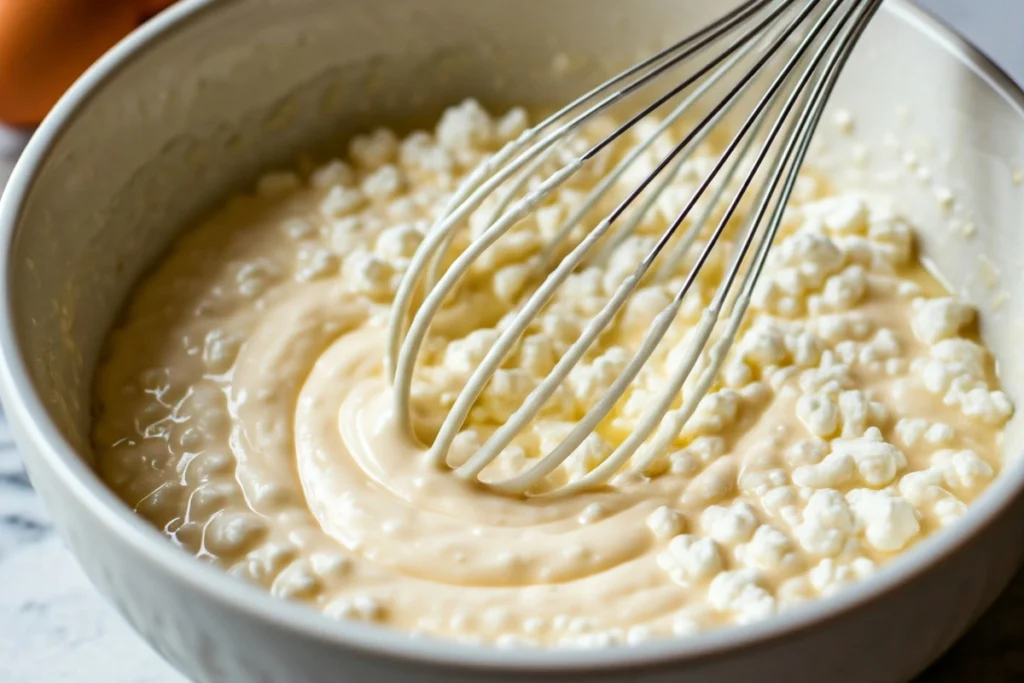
[194,104]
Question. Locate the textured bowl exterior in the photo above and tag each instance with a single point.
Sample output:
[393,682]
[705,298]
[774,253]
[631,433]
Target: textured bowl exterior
[195,103]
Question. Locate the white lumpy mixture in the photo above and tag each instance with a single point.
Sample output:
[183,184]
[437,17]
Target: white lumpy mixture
[241,407]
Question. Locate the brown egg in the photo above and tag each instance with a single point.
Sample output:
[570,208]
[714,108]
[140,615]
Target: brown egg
[46,44]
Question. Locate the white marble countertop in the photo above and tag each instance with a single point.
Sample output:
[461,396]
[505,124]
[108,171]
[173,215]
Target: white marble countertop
[54,628]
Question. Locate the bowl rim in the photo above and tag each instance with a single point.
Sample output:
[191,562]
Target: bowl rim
[41,437]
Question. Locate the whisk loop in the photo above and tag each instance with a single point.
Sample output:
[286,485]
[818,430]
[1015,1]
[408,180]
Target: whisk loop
[813,39]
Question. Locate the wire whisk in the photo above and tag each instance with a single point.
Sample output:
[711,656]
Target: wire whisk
[811,40]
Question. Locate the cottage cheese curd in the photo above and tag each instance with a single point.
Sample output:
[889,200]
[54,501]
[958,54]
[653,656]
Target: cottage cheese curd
[241,407]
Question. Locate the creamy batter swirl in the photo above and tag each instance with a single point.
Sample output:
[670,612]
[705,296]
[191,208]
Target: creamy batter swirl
[242,408]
